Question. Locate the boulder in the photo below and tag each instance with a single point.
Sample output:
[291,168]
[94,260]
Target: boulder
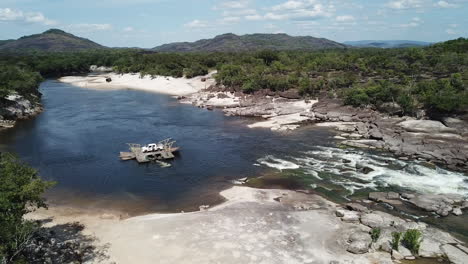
[426,126]
[454,254]
[457,211]
[390,108]
[404,251]
[372,220]
[290,94]
[359,243]
[383,242]
[350,217]
[441,204]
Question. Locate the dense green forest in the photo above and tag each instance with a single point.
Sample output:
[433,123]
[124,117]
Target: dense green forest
[433,78]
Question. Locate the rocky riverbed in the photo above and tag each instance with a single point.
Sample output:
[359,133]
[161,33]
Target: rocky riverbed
[252,226]
[16,107]
[443,142]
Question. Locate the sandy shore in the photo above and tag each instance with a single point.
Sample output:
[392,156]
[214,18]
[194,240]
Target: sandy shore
[253,226]
[159,84]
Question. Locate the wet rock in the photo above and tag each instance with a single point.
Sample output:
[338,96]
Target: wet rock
[357,207]
[383,196]
[457,211]
[440,204]
[363,169]
[454,254]
[359,243]
[407,196]
[464,205]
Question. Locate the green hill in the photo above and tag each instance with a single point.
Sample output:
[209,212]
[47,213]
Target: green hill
[234,43]
[53,40]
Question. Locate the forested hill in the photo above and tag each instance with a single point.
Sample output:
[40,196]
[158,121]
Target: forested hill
[53,40]
[387,44]
[3,42]
[253,42]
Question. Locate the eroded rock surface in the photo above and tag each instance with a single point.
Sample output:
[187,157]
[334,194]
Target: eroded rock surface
[15,107]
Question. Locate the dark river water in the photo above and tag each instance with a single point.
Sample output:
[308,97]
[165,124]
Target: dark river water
[77,139]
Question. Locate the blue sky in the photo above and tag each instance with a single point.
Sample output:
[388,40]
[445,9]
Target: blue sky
[148,23]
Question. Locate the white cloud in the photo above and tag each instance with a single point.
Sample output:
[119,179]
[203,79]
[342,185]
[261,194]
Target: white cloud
[296,10]
[233,4]
[239,12]
[89,27]
[11,15]
[445,4]
[230,20]
[290,5]
[405,4]
[128,29]
[450,31]
[196,24]
[254,17]
[346,18]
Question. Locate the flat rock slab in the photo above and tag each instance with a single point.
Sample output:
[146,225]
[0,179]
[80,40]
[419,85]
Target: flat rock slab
[455,255]
[426,126]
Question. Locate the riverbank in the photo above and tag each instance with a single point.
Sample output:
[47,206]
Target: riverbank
[255,226]
[16,107]
[158,84]
[441,142]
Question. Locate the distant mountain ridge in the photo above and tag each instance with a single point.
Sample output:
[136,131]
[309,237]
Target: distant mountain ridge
[252,42]
[3,42]
[386,44]
[52,40]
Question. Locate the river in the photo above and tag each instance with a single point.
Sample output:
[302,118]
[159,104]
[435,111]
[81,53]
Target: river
[77,139]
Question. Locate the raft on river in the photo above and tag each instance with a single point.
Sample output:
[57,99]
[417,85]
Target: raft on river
[162,150]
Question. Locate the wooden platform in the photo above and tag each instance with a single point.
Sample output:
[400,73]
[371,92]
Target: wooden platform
[143,157]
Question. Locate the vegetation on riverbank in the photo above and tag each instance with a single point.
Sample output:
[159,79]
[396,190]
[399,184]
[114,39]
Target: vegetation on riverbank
[20,193]
[434,78]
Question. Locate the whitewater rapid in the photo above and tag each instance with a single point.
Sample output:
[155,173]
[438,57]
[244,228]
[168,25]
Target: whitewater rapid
[356,170]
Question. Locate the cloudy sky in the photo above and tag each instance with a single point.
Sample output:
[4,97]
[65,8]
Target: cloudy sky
[148,23]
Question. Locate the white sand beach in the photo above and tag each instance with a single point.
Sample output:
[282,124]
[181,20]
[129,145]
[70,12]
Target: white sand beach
[158,84]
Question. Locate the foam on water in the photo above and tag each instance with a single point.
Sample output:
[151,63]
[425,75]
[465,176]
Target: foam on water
[343,167]
[276,163]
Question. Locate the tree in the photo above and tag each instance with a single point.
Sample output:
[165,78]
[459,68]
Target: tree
[20,193]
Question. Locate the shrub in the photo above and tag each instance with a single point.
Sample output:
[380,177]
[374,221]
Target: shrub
[375,234]
[412,240]
[357,97]
[20,193]
[195,70]
[396,237]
